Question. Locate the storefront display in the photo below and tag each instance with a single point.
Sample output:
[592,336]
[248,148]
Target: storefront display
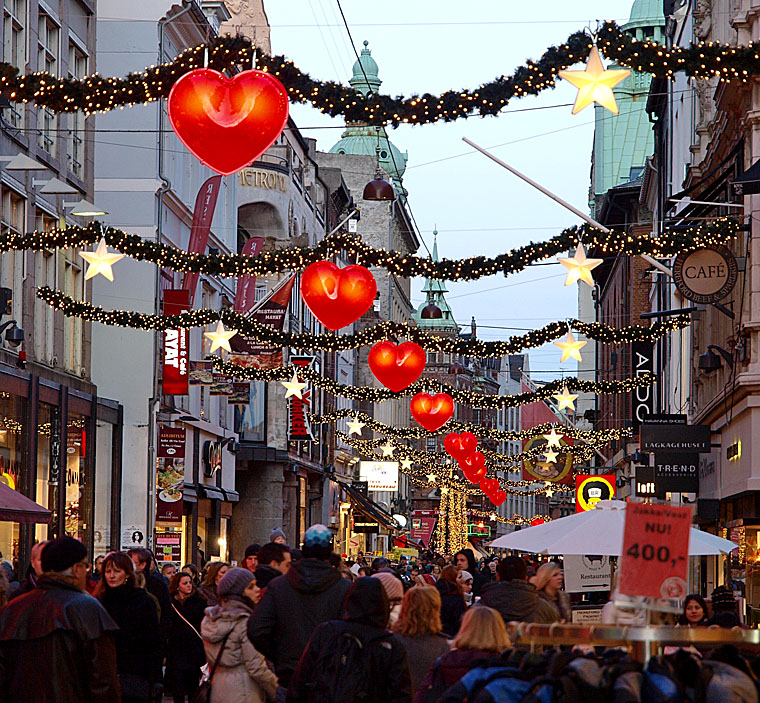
[11,418]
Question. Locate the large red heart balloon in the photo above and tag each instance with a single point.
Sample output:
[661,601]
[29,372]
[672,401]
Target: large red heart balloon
[536,522]
[473,467]
[489,486]
[460,445]
[227,123]
[432,411]
[498,497]
[337,297]
[397,367]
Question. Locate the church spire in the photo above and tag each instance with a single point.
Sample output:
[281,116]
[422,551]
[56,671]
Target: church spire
[434,291]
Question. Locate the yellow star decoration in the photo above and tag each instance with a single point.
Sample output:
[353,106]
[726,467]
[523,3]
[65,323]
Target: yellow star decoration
[551,456]
[406,464]
[579,267]
[494,516]
[595,84]
[553,439]
[444,490]
[549,490]
[220,337]
[431,478]
[355,426]
[294,387]
[388,449]
[565,399]
[571,347]
[100,261]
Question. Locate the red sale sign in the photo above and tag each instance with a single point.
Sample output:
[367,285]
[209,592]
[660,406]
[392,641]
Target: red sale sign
[655,558]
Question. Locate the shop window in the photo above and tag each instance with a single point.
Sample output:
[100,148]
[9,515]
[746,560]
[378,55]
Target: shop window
[11,419]
[302,507]
[75,141]
[14,50]
[73,285]
[44,275]
[103,484]
[48,467]
[78,503]
[12,263]
[47,61]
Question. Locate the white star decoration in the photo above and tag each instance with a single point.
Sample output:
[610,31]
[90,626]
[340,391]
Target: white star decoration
[100,261]
[388,449]
[220,337]
[579,267]
[553,439]
[571,347]
[550,456]
[406,464]
[294,387]
[565,399]
[354,426]
[595,83]
[431,478]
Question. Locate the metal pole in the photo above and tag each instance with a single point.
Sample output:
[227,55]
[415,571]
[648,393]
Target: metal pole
[559,200]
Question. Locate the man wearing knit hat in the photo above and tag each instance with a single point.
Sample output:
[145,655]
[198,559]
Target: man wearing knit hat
[310,593]
[56,642]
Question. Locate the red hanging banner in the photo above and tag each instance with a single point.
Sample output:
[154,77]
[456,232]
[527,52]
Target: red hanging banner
[175,352]
[245,294]
[203,214]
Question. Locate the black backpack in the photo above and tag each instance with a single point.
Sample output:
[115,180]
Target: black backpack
[346,670]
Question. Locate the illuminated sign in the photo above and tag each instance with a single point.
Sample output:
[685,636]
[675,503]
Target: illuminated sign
[589,490]
[379,475]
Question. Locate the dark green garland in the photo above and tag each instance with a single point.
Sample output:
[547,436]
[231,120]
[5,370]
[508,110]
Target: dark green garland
[671,242]
[370,335]
[95,93]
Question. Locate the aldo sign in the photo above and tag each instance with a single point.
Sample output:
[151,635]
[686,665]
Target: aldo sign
[706,275]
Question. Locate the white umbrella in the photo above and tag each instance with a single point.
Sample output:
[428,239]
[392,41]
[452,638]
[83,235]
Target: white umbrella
[598,531]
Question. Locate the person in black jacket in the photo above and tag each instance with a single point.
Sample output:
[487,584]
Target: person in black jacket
[56,642]
[356,658]
[311,593]
[184,649]
[139,644]
[33,571]
[464,560]
[453,605]
[154,584]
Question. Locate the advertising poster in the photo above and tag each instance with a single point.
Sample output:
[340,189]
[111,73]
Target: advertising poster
[586,572]
[170,478]
[201,373]
[423,526]
[379,475]
[176,349]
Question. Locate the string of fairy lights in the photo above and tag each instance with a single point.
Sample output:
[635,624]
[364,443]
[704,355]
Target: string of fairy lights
[96,93]
[71,307]
[599,436]
[672,241]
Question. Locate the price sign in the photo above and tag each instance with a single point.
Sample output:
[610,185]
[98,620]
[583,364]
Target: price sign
[654,563]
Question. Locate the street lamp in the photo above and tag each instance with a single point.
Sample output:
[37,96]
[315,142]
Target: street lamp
[84,208]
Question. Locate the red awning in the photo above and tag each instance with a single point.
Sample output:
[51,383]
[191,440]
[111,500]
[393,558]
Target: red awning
[15,507]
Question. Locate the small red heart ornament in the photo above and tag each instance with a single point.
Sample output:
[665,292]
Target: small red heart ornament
[397,367]
[432,411]
[489,486]
[460,445]
[227,123]
[498,497]
[473,467]
[337,297]
[536,522]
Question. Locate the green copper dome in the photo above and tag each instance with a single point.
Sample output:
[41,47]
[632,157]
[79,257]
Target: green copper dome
[364,140]
[646,14]
[435,293]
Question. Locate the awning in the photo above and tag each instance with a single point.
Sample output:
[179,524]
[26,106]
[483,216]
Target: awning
[749,182]
[15,507]
[206,490]
[368,507]
[231,496]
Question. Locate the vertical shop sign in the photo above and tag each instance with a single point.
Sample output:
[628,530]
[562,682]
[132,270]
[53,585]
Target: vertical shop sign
[245,293]
[175,349]
[643,397]
[299,427]
[170,478]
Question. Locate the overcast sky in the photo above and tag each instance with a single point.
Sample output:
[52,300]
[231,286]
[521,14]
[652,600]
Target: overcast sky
[477,207]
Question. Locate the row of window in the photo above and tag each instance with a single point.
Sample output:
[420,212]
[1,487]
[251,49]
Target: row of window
[17,50]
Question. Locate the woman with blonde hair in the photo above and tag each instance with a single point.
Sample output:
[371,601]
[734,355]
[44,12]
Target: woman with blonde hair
[548,582]
[419,629]
[482,635]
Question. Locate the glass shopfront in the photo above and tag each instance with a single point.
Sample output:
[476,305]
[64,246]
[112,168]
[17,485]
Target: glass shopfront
[11,423]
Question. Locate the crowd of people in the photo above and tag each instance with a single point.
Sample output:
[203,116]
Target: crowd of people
[286,626]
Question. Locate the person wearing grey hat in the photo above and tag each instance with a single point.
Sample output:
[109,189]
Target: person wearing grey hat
[242,675]
[57,642]
[277,536]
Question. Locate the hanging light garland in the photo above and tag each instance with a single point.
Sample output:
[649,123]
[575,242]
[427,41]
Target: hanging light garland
[671,242]
[515,520]
[95,93]
[475,400]
[596,436]
[265,334]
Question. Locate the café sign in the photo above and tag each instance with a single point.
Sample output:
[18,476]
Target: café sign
[706,275]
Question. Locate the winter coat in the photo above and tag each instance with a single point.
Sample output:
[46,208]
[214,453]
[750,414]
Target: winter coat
[242,675]
[561,604]
[378,674]
[57,646]
[139,644]
[208,593]
[311,593]
[518,600]
[447,670]
[184,651]
[156,586]
[729,685]
[482,684]
[265,574]
[613,614]
[421,653]
[453,607]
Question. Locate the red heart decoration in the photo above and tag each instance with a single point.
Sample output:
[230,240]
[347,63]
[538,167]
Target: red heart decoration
[460,445]
[537,521]
[227,122]
[473,467]
[337,297]
[498,497]
[397,367]
[489,486]
[432,411]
